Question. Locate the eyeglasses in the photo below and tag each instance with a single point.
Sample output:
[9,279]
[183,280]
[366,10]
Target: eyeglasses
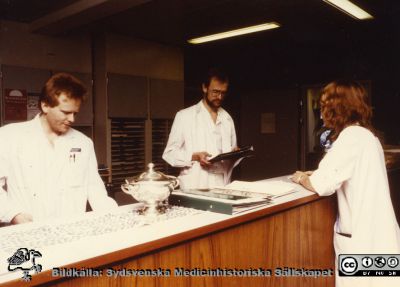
[218,92]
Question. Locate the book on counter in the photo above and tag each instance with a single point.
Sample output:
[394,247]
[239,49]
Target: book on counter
[215,202]
[247,151]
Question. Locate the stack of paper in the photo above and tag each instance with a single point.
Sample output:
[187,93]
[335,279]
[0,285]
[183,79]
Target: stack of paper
[266,189]
[233,198]
[207,200]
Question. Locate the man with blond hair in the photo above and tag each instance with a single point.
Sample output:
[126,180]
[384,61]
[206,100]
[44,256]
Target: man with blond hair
[47,168]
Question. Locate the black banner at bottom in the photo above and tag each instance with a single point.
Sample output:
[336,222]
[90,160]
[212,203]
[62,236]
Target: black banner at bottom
[372,273]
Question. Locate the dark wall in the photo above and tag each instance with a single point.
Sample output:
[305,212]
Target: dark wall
[276,151]
[290,59]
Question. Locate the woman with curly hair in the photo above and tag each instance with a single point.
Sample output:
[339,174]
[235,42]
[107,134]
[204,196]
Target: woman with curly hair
[354,167]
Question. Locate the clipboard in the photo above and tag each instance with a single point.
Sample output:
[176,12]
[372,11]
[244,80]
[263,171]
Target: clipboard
[247,151]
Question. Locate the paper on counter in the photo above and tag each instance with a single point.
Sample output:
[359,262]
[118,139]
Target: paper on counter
[273,188]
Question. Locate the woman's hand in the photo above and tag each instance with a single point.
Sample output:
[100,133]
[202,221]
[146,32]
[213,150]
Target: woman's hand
[298,176]
[302,178]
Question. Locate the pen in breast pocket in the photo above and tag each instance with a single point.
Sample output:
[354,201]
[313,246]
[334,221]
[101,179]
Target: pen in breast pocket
[72,157]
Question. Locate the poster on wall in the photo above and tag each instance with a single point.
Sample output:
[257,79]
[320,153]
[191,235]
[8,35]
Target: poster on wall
[33,105]
[268,123]
[15,105]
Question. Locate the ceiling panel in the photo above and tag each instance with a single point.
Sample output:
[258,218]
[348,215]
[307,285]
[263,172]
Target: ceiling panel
[174,21]
[30,10]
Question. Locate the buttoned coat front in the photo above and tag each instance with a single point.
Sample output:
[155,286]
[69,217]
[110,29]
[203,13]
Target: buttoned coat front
[46,181]
[190,133]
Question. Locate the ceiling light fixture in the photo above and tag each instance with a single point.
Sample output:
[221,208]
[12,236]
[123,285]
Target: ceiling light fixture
[350,9]
[234,33]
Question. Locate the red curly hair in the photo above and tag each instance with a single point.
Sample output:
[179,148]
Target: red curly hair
[345,103]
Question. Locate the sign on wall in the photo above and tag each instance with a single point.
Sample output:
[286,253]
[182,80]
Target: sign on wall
[33,105]
[15,105]
[268,125]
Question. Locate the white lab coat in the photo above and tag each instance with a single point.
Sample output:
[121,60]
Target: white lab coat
[355,167]
[192,132]
[47,182]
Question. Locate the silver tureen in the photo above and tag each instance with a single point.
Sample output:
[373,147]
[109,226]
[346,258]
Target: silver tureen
[151,188]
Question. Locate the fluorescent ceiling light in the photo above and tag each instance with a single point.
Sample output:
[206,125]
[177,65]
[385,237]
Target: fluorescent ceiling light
[233,33]
[350,9]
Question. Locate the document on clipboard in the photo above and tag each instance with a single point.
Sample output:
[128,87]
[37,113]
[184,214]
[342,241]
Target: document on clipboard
[247,151]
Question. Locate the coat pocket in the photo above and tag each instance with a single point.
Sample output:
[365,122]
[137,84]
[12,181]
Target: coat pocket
[26,171]
[75,175]
[343,243]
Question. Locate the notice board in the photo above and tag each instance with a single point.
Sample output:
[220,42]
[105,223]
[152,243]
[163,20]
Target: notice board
[15,105]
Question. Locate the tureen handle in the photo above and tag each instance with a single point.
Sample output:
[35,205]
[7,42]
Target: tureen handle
[129,188]
[174,183]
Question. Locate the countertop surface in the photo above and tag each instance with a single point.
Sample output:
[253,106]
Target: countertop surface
[96,239]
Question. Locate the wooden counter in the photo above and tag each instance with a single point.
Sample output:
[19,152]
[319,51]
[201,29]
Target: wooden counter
[295,234]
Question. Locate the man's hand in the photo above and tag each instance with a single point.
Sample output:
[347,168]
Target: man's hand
[21,218]
[236,148]
[202,158]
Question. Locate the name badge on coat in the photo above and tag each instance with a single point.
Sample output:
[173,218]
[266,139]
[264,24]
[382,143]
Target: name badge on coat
[73,152]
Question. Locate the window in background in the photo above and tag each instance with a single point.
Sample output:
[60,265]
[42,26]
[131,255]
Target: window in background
[160,133]
[127,149]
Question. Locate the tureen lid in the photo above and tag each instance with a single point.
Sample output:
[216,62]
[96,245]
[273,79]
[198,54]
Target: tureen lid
[151,175]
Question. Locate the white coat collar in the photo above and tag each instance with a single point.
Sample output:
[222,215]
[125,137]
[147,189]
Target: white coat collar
[222,114]
[65,142]
[38,129]
[201,135]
